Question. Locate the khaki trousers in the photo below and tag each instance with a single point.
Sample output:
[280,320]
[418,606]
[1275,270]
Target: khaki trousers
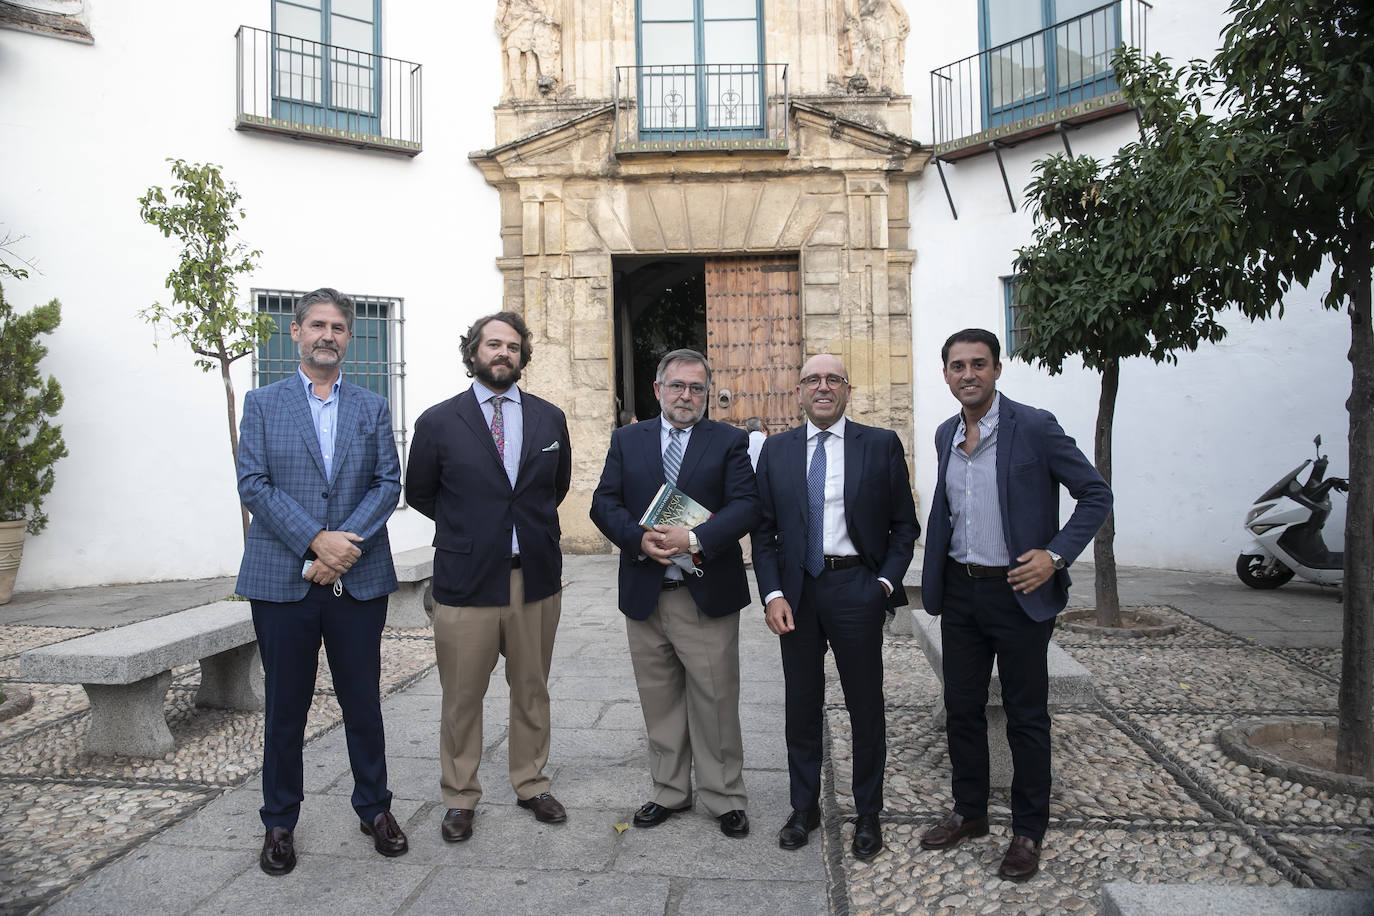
[686,666]
[467,641]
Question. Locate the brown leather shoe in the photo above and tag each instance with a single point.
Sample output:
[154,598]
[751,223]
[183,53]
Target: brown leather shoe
[953,831]
[457,825]
[278,852]
[1021,861]
[387,836]
[545,807]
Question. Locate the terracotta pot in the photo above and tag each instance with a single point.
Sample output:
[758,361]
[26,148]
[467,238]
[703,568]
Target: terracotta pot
[11,549]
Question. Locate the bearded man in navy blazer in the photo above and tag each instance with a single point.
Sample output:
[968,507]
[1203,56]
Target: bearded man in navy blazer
[317,467]
[683,629]
[836,535]
[996,571]
[490,466]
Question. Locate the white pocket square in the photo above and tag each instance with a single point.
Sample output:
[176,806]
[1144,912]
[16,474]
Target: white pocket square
[551,447]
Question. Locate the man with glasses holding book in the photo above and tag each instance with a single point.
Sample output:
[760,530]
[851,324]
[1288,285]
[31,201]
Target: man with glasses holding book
[683,624]
[836,535]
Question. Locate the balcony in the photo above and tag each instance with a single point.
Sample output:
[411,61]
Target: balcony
[314,91]
[1036,84]
[701,108]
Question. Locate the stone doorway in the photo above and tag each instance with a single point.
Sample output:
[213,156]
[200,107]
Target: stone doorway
[660,305]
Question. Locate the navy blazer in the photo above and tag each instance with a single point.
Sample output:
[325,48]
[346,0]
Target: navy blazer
[281,481]
[1034,458]
[716,473]
[455,476]
[879,511]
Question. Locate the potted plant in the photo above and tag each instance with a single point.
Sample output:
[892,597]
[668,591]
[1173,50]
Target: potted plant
[29,444]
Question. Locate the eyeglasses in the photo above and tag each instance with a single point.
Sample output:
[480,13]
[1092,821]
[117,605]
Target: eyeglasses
[676,388]
[814,381]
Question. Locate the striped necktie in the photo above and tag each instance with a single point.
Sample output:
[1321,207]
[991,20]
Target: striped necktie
[672,456]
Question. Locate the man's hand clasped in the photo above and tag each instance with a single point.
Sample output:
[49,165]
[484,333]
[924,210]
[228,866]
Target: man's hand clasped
[663,542]
[335,554]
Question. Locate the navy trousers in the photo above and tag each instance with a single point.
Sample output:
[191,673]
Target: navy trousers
[844,611]
[981,620]
[289,637]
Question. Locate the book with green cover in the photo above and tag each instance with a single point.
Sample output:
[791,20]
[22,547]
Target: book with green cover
[671,506]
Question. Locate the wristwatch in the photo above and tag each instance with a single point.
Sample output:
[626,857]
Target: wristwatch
[1058,560]
[692,543]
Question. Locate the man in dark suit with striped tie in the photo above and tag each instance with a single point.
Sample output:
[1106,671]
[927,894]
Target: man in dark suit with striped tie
[683,629]
[836,535]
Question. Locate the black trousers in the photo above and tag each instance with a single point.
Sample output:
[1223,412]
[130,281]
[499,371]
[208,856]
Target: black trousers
[842,610]
[289,637]
[981,620]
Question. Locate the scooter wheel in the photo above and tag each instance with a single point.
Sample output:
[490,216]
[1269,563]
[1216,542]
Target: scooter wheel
[1252,571]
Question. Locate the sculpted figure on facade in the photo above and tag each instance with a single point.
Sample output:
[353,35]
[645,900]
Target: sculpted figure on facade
[532,46]
[873,43]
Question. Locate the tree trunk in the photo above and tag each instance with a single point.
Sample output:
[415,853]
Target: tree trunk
[1104,552]
[233,429]
[1355,735]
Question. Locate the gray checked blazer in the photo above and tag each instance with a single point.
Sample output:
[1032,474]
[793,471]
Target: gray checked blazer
[282,483]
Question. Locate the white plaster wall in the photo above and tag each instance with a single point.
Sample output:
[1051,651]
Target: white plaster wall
[148,492]
[1194,443]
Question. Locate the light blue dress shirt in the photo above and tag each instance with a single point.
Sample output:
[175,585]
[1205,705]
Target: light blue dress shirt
[325,415]
[971,488]
[513,421]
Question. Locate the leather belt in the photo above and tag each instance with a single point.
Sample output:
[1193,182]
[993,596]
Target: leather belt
[670,584]
[515,562]
[975,571]
[841,562]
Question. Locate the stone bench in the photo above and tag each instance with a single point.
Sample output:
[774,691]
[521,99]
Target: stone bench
[126,671]
[1070,685]
[412,605]
[1122,898]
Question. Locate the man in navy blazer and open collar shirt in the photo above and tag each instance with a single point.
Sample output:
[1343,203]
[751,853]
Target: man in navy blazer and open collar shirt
[317,467]
[996,571]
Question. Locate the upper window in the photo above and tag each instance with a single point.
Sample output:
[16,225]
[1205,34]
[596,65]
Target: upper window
[375,359]
[1016,318]
[1045,54]
[326,63]
[700,67]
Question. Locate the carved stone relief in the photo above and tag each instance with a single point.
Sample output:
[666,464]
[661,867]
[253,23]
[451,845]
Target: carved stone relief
[531,45]
[873,44]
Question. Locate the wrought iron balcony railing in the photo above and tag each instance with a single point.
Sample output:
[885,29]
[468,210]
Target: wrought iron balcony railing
[302,88]
[683,107]
[1061,74]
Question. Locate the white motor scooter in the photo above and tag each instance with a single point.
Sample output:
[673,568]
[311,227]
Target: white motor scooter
[1287,524]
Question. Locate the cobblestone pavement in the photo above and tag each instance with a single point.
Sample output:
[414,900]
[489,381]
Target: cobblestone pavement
[1142,792]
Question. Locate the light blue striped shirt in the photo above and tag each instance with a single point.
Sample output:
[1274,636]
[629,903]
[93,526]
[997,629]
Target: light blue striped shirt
[513,425]
[325,415]
[971,489]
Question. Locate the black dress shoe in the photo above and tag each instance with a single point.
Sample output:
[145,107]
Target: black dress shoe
[387,836]
[953,830]
[457,825]
[796,832]
[1021,861]
[868,836]
[734,824]
[545,807]
[278,852]
[653,814]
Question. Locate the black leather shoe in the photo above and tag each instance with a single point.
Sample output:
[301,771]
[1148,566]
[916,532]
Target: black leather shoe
[796,832]
[653,814]
[868,836]
[734,824]
[457,825]
[952,831]
[545,807]
[278,852]
[387,836]
[1021,861]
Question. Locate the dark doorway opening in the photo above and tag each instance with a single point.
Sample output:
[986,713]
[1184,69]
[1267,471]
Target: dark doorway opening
[660,305]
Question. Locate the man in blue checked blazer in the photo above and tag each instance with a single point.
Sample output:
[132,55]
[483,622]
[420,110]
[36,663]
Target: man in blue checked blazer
[317,468]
